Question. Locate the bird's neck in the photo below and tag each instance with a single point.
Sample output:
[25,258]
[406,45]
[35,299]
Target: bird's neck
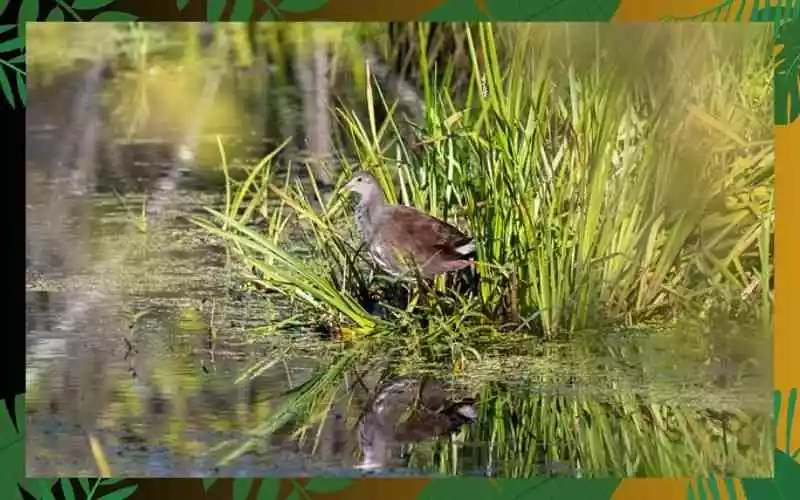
[367,211]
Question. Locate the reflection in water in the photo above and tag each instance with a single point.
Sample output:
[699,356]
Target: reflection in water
[408,410]
[142,339]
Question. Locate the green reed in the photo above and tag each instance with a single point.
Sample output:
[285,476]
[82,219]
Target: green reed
[593,198]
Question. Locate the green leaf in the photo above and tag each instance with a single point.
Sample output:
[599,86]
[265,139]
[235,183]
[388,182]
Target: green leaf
[111,480]
[11,45]
[55,15]
[786,480]
[519,489]
[6,85]
[787,94]
[66,487]
[182,4]
[269,489]
[270,15]
[327,484]
[301,5]
[241,487]
[208,482]
[84,481]
[214,9]
[21,89]
[791,407]
[115,16]
[29,11]
[40,488]
[3,5]
[552,10]
[242,10]
[121,494]
[90,4]
[7,27]
[19,59]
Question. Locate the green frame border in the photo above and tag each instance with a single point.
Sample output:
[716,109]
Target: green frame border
[785,16]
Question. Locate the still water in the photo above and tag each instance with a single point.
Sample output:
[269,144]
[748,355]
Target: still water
[138,336]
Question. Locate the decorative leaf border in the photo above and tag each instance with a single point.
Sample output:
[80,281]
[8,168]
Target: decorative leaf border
[785,17]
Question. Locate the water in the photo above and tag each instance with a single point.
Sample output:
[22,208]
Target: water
[137,336]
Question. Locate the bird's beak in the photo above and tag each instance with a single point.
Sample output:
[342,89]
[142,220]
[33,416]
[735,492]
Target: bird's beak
[350,185]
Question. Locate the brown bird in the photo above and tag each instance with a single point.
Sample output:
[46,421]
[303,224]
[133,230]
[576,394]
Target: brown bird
[398,235]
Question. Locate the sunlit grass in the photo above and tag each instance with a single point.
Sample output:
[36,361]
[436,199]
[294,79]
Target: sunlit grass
[594,198]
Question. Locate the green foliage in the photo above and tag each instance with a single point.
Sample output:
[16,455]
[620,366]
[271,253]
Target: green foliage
[787,77]
[214,9]
[269,489]
[112,16]
[208,482]
[242,10]
[300,5]
[552,10]
[28,11]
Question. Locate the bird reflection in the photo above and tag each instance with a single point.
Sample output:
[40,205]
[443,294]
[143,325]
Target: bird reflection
[408,410]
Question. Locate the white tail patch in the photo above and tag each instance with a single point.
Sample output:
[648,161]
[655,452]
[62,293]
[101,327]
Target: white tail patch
[466,249]
[468,412]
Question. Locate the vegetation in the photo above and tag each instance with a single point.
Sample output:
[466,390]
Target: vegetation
[596,197]
[614,179]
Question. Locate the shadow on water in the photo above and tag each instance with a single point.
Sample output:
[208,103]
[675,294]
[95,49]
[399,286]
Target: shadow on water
[138,335]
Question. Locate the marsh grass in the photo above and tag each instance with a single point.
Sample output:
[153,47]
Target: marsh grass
[594,199]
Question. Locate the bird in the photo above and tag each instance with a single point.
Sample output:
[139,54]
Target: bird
[408,410]
[399,237]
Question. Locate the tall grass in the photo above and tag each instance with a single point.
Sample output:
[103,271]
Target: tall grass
[594,198]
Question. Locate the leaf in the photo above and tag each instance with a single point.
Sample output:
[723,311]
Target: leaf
[66,488]
[182,4]
[787,94]
[269,489]
[19,59]
[90,4]
[270,15]
[7,27]
[55,15]
[242,10]
[84,481]
[23,94]
[214,9]
[29,11]
[121,494]
[3,5]
[115,16]
[208,482]
[301,5]
[242,487]
[40,488]
[6,85]
[786,480]
[111,480]
[11,45]
[327,484]
[552,10]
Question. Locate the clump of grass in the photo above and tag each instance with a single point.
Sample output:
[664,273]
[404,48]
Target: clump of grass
[592,200]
